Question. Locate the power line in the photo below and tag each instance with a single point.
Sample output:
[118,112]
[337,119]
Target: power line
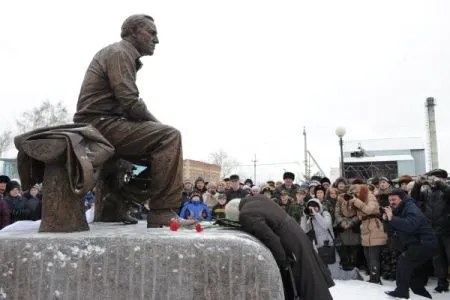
[268,164]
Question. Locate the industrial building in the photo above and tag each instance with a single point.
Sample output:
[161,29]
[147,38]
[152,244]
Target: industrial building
[390,157]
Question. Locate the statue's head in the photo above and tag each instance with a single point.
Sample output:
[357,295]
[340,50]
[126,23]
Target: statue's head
[140,30]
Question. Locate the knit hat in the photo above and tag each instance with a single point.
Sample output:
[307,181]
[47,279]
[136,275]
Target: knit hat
[199,178]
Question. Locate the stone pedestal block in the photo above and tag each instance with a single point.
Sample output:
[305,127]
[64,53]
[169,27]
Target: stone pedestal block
[132,262]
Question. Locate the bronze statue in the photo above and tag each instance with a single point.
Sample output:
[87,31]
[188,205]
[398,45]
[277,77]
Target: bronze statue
[109,101]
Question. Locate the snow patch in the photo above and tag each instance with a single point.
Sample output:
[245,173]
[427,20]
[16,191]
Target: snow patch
[137,248]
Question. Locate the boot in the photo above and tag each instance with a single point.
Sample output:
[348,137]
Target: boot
[440,289]
[158,218]
[397,295]
[375,276]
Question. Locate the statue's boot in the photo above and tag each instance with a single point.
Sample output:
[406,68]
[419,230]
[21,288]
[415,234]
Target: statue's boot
[158,218]
[120,209]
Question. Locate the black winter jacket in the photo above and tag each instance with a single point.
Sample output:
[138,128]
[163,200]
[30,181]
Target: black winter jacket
[410,227]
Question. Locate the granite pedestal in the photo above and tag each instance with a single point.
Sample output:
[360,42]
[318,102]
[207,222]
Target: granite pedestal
[114,261]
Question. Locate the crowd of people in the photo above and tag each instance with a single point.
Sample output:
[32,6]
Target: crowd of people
[354,217]
[359,217]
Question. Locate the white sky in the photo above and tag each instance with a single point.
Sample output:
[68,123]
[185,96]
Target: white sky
[246,76]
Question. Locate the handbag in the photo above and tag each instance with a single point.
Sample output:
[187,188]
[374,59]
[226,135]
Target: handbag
[327,252]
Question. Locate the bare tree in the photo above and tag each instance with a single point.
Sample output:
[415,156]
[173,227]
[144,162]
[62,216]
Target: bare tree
[227,163]
[46,114]
[6,139]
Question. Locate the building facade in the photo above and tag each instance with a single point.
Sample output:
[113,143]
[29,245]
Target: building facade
[194,168]
[384,157]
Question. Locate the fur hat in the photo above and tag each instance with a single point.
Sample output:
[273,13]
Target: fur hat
[339,180]
[234,177]
[374,180]
[4,179]
[398,192]
[384,179]
[288,175]
[325,180]
[440,173]
[195,194]
[316,178]
[11,185]
[319,188]
[404,179]
[221,196]
[248,180]
[232,210]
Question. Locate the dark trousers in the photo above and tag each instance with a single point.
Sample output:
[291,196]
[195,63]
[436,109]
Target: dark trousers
[411,270]
[349,256]
[154,145]
[373,259]
[441,261]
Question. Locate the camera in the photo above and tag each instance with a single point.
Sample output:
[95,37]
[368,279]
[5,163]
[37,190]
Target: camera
[348,197]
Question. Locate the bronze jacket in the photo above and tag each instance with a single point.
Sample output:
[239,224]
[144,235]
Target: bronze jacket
[109,86]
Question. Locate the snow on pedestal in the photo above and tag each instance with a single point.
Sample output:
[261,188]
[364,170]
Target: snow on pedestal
[114,261]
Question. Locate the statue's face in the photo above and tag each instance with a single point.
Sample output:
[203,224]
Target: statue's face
[147,38]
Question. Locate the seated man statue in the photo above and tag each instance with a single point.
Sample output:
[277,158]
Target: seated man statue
[109,101]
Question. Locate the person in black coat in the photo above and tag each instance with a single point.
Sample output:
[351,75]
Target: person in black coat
[290,246]
[414,238]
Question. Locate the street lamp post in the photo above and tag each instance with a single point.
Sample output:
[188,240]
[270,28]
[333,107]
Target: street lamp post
[340,132]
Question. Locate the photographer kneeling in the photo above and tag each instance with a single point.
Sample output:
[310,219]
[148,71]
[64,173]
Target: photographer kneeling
[414,238]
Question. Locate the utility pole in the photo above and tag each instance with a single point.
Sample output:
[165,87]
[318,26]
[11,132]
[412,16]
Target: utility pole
[306,154]
[254,168]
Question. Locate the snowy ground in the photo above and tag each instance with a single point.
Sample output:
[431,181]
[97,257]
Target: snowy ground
[352,289]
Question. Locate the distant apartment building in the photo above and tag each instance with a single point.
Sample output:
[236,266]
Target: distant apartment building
[194,168]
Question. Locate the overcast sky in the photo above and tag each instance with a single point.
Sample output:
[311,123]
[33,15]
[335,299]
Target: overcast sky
[246,76]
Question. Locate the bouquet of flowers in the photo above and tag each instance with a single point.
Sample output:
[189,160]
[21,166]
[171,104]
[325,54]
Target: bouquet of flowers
[198,225]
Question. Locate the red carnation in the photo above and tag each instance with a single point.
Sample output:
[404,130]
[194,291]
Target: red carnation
[198,227]
[174,225]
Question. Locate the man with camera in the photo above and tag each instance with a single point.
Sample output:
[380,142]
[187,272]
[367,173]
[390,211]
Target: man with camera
[435,203]
[414,239]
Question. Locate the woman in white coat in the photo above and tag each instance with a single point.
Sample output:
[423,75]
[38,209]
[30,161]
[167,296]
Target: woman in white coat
[318,225]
